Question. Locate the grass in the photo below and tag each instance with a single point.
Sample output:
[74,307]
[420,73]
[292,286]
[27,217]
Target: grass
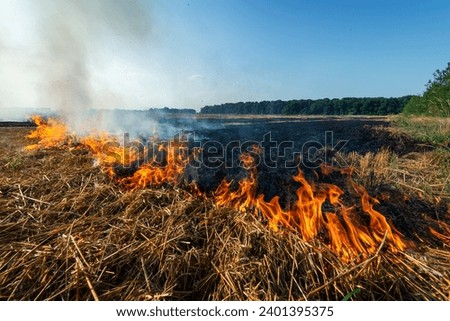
[430,130]
[429,172]
[348,296]
[70,233]
[423,174]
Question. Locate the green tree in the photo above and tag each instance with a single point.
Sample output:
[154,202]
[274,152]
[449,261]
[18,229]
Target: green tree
[435,101]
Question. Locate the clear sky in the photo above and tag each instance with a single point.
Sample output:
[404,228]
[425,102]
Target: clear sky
[178,53]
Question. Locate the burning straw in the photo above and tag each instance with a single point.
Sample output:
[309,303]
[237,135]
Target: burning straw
[69,232]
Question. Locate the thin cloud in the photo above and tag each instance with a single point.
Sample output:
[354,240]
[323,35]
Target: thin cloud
[196,77]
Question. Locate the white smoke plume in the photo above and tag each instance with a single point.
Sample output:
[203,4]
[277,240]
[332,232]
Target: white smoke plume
[72,35]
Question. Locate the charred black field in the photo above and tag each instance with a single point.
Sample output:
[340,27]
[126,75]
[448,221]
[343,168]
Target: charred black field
[267,208]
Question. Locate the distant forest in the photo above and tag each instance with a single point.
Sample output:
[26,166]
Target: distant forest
[342,106]
[167,110]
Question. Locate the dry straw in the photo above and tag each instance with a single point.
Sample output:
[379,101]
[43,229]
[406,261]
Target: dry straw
[68,233]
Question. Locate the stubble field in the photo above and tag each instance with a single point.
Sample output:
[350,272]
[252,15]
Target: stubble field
[69,231]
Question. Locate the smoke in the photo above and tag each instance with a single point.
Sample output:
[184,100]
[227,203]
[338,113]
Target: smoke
[80,58]
[73,37]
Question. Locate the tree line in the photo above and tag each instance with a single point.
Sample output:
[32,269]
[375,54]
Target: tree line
[336,106]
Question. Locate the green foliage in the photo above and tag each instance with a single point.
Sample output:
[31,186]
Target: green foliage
[343,106]
[435,101]
[352,293]
[15,163]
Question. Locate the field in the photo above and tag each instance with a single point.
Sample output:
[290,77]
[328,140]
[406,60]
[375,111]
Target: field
[73,228]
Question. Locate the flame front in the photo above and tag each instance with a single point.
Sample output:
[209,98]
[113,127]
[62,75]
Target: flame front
[51,133]
[110,154]
[156,173]
[341,229]
[242,199]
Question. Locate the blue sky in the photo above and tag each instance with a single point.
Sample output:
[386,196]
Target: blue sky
[192,53]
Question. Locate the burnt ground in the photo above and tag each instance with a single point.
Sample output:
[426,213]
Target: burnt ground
[285,144]
[16,124]
[357,131]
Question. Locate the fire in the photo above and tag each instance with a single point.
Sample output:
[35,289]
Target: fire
[320,210]
[108,151]
[443,237]
[51,133]
[242,199]
[155,173]
[110,154]
[342,229]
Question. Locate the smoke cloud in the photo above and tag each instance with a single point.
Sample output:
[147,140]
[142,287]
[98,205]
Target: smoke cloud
[73,35]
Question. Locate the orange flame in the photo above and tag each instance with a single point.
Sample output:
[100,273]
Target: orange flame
[443,237]
[110,153]
[347,235]
[51,133]
[154,174]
